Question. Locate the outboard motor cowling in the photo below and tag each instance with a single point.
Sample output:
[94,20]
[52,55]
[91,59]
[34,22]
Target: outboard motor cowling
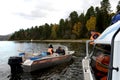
[15,64]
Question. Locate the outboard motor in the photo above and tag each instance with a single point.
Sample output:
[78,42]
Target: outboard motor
[15,64]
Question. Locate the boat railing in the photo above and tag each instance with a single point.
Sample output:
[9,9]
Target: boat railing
[87,48]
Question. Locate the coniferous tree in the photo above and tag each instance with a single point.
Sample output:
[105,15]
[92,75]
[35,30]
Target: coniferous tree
[90,12]
[46,31]
[73,18]
[83,26]
[99,27]
[82,18]
[105,10]
[118,7]
[67,29]
[105,6]
[61,29]
[73,27]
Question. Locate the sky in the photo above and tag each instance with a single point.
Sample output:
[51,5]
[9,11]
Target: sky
[23,14]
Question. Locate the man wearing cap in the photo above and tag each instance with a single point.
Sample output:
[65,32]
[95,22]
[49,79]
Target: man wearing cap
[50,49]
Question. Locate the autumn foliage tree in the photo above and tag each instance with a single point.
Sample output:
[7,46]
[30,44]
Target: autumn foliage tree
[91,23]
[76,29]
[54,32]
[76,26]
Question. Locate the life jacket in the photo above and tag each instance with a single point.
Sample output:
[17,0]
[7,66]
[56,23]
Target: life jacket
[50,50]
[104,78]
[101,65]
[102,62]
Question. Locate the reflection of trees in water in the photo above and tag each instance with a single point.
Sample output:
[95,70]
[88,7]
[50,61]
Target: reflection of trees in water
[79,48]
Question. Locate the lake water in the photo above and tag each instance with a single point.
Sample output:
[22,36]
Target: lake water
[67,71]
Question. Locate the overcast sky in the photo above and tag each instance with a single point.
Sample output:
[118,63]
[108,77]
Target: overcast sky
[18,14]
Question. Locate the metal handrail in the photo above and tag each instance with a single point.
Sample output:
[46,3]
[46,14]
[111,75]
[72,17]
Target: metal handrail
[87,47]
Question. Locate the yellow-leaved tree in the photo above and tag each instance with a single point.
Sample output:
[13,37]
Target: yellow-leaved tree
[54,31]
[91,23]
[77,28]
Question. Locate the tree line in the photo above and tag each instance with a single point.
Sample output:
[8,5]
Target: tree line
[74,27]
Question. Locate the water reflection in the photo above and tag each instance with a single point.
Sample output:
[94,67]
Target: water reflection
[79,49]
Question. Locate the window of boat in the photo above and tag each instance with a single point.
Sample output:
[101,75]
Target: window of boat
[100,61]
[101,49]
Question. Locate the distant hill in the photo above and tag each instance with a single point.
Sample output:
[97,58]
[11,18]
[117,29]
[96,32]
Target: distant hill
[5,37]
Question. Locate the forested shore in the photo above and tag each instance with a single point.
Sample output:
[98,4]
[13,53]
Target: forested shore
[55,41]
[76,26]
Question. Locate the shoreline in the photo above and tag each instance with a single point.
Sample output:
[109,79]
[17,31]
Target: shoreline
[54,41]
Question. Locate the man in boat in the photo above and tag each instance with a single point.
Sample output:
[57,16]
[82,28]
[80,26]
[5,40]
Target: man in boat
[93,36]
[60,51]
[50,50]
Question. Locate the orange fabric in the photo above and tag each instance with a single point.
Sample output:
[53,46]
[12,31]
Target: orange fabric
[50,50]
[99,74]
[104,60]
[104,78]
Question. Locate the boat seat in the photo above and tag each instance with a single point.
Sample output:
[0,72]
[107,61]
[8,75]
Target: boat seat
[55,54]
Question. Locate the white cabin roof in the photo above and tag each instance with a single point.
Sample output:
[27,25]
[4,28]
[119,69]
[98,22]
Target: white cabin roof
[106,36]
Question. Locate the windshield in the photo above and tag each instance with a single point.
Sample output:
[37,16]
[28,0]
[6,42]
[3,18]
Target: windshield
[101,49]
[100,59]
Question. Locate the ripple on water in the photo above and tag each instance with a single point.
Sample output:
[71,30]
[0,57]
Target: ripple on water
[73,72]
[4,72]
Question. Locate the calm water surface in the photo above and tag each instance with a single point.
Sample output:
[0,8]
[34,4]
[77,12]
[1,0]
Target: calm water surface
[67,71]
